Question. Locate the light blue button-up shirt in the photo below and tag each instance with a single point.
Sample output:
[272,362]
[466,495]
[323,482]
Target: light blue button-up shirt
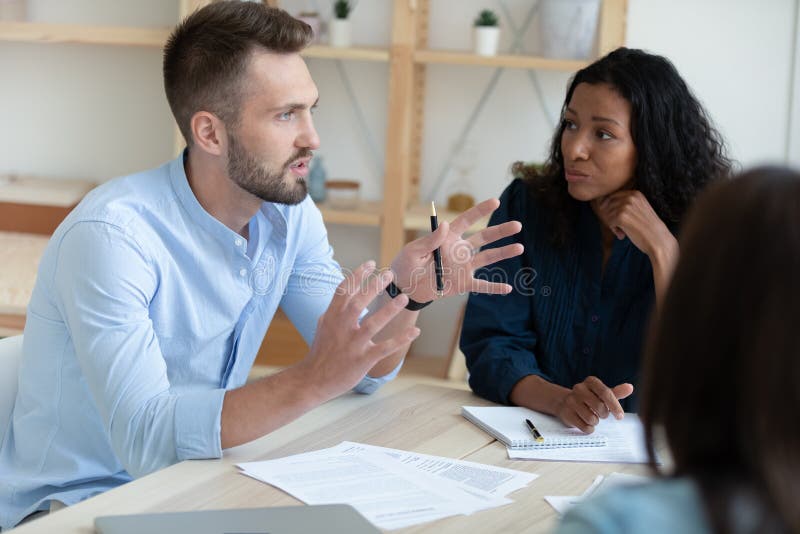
[146,310]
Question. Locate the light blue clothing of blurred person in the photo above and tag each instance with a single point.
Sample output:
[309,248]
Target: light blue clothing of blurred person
[666,506]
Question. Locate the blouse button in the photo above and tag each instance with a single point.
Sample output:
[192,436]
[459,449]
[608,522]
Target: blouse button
[238,242]
[595,318]
[242,272]
[586,350]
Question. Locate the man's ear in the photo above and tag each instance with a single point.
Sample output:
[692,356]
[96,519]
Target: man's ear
[209,133]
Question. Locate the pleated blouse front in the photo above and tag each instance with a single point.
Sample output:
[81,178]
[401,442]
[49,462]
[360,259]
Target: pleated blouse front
[566,318]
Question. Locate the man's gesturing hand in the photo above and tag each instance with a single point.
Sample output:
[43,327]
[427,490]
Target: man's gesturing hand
[343,349]
[461,256]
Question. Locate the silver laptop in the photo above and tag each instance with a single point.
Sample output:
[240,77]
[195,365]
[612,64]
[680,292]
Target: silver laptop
[332,518]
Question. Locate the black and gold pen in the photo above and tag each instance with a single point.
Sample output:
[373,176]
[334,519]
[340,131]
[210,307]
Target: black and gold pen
[536,435]
[437,255]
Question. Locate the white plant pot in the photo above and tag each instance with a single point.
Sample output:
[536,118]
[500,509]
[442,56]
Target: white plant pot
[568,28]
[486,40]
[339,32]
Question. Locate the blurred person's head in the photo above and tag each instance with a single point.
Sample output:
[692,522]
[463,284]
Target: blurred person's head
[722,370]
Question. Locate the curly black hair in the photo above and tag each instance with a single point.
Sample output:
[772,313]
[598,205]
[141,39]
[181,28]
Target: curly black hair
[679,152]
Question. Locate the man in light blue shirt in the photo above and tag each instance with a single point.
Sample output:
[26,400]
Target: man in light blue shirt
[155,293]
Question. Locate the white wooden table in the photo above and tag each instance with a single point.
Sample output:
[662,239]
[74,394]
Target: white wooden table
[405,414]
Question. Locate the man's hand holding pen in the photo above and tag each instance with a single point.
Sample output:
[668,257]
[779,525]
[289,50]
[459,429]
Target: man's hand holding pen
[415,269]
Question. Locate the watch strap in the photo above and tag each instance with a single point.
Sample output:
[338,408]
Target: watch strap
[392,290]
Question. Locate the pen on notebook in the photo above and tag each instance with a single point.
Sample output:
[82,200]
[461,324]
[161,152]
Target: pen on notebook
[536,435]
[437,255]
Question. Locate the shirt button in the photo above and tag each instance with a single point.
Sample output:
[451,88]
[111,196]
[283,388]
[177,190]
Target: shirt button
[586,350]
[595,318]
[238,242]
[243,272]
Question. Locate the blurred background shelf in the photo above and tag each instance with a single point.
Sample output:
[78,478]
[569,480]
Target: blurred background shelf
[38,205]
[365,213]
[39,32]
[418,217]
[369,213]
[512,61]
[354,53]
[42,32]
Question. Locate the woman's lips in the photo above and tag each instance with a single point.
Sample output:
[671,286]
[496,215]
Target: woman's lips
[575,176]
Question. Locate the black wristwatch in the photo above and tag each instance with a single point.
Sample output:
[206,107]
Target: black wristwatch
[392,290]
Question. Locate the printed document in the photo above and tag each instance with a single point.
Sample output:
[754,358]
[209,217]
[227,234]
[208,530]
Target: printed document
[469,475]
[392,489]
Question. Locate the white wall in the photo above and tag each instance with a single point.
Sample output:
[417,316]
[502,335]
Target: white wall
[737,56]
[793,142]
[85,111]
[98,112]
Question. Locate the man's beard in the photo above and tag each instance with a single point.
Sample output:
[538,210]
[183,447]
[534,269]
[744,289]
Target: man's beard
[249,174]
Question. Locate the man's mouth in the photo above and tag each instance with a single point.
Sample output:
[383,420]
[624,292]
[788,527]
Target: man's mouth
[300,167]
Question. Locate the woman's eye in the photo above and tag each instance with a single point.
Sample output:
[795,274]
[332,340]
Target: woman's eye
[604,135]
[569,125]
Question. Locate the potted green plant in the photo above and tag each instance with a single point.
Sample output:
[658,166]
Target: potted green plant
[487,33]
[339,30]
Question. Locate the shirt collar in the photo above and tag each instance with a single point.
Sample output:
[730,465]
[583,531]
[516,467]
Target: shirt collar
[180,185]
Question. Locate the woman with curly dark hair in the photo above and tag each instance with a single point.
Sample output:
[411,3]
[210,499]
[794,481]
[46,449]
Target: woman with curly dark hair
[633,149]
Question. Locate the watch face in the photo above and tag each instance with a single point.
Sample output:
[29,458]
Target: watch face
[392,290]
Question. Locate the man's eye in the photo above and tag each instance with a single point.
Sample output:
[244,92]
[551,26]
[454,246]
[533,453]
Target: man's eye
[287,116]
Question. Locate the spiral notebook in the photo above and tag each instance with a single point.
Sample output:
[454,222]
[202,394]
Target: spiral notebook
[507,424]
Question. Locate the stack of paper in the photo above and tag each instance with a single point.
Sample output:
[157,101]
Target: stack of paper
[390,487]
